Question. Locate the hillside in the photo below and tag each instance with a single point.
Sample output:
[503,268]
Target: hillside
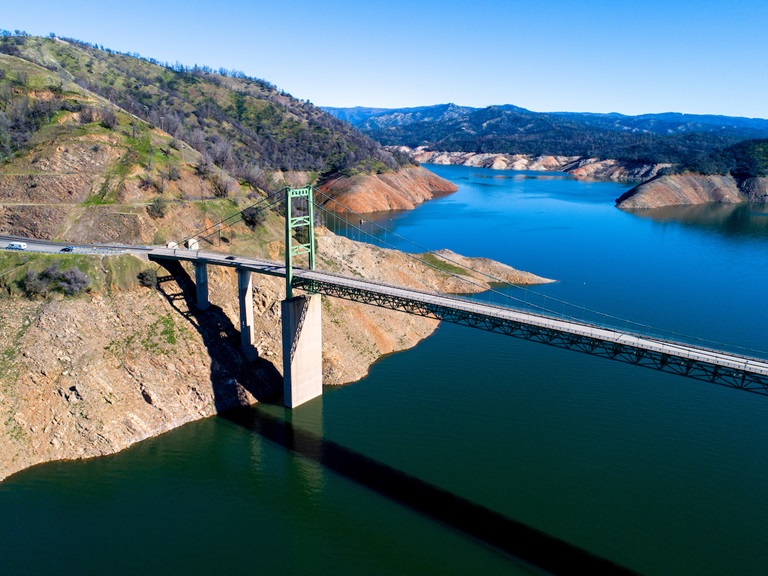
[664,123]
[242,124]
[735,174]
[372,119]
[576,166]
[80,169]
[672,123]
[402,191]
[101,146]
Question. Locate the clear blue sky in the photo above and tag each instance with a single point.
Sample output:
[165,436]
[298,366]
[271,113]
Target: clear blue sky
[704,56]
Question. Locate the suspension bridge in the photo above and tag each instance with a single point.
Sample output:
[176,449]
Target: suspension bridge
[301,315]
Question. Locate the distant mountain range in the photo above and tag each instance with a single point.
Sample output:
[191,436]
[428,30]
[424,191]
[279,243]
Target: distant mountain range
[688,140]
[370,119]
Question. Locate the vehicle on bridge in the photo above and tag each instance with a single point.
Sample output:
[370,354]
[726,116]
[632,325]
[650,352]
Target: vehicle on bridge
[17,245]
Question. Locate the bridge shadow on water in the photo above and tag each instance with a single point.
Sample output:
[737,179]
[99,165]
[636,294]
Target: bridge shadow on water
[231,373]
[505,534]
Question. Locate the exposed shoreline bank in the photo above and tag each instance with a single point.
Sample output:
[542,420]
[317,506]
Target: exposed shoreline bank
[693,189]
[576,166]
[91,375]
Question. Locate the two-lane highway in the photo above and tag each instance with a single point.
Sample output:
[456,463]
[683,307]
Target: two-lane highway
[48,247]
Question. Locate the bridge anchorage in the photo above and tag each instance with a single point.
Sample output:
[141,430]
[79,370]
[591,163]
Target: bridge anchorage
[301,316]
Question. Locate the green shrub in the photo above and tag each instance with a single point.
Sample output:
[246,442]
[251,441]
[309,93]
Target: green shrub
[173,173]
[158,208]
[254,217]
[148,278]
[54,279]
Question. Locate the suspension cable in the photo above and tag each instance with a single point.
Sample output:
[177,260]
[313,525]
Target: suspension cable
[462,278]
[268,201]
[426,250]
[584,309]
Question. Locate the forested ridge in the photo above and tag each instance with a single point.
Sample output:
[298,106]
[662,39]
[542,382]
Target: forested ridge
[695,143]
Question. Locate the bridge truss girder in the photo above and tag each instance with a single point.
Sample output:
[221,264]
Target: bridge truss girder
[696,369]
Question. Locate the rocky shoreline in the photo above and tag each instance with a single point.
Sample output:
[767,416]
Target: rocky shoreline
[90,375]
[655,189]
[689,189]
[577,166]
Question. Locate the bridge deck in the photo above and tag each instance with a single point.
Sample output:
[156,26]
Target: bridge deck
[716,366]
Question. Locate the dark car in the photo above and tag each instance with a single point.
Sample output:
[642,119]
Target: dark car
[68,249]
[230,258]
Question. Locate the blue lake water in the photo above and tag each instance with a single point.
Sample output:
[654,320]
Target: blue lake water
[657,473]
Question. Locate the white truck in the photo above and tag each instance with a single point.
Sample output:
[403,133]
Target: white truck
[17,245]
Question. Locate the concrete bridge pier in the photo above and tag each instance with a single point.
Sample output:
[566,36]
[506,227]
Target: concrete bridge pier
[201,285]
[302,350]
[245,297]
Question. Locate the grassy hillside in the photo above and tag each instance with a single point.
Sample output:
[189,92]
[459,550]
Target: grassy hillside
[97,146]
[77,168]
[241,124]
[36,274]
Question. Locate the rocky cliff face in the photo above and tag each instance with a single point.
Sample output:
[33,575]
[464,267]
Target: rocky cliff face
[578,167]
[681,189]
[401,190]
[756,189]
[593,169]
[493,161]
[90,375]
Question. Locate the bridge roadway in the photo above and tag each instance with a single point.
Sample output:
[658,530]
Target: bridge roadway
[719,367]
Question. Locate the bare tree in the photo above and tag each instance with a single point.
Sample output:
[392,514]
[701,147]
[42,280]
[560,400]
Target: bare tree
[205,166]
[86,115]
[222,185]
[108,117]
[222,153]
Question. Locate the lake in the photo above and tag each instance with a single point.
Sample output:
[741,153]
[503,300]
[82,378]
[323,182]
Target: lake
[657,473]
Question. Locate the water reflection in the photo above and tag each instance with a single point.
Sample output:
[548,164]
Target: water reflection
[726,219]
[519,175]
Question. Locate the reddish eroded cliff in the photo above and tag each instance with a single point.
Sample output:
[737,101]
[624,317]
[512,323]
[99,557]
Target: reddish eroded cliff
[401,190]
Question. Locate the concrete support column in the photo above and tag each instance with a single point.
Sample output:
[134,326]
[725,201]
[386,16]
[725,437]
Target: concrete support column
[302,350]
[201,285]
[245,296]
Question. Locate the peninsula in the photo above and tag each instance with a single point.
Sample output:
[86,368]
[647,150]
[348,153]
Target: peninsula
[99,352]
